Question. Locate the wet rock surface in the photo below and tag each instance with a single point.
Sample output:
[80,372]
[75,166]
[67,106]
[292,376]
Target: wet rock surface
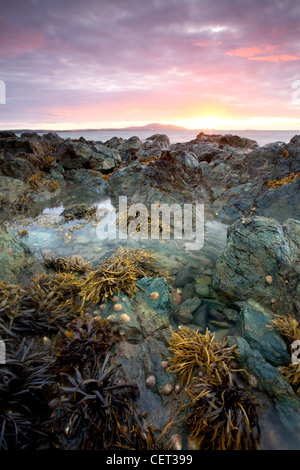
[253,189]
[261,261]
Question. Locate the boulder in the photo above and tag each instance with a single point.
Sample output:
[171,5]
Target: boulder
[281,203]
[285,403]
[91,180]
[237,142]
[143,348]
[17,261]
[261,261]
[257,329]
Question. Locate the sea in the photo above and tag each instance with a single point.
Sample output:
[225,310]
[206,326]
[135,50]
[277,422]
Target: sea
[262,137]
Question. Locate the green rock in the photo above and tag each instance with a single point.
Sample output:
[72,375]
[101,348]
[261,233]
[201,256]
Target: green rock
[258,247]
[16,258]
[271,381]
[255,322]
[184,313]
[202,290]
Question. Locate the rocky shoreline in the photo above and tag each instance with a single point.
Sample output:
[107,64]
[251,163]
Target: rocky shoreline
[255,190]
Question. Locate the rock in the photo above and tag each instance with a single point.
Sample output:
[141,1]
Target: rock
[74,155]
[201,316]
[183,277]
[272,382]
[184,314]
[17,261]
[188,291]
[145,346]
[202,290]
[258,247]
[17,168]
[256,325]
[6,134]
[160,140]
[231,314]
[28,143]
[236,141]
[281,203]
[91,180]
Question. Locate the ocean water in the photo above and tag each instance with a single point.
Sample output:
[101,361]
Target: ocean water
[261,137]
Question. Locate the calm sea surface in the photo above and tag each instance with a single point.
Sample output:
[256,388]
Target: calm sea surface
[261,137]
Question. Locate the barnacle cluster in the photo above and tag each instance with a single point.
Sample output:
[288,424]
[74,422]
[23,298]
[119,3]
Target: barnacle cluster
[223,415]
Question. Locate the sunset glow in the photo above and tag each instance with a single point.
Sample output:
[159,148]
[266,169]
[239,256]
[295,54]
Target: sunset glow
[117,63]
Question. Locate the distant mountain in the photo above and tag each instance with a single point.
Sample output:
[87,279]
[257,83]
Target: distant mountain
[155,127]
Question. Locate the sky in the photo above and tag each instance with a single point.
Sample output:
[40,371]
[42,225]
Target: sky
[222,64]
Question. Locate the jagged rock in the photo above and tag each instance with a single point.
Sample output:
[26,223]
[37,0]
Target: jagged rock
[91,180]
[256,326]
[281,203]
[184,313]
[78,155]
[258,247]
[272,382]
[237,141]
[16,259]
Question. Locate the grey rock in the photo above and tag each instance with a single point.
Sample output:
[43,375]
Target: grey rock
[184,313]
[183,277]
[188,291]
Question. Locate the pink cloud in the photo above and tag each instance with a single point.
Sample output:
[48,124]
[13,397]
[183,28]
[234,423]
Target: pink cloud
[14,42]
[248,52]
[275,58]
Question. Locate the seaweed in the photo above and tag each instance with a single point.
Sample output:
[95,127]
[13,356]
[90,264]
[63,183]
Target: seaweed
[25,384]
[94,406]
[79,212]
[223,414]
[118,273]
[47,303]
[62,264]
[84,337]
[288,328]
